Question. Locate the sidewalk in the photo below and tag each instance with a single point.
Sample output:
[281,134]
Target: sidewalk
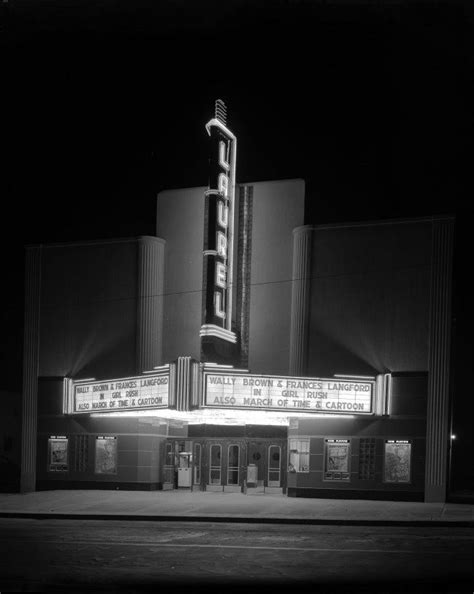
[229,507]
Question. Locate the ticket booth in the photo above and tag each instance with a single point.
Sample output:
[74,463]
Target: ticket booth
[185,469]
[177,464]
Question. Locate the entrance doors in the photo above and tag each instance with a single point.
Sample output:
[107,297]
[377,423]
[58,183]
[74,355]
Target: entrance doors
[228,464]
[231,465]
[257,456]
[223,468]
[268,458]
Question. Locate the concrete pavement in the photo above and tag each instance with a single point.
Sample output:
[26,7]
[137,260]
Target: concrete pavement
[233,507]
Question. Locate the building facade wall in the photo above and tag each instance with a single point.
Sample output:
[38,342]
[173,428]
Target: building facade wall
[380,302]
[367,437]
[151,276]
[363,299]
[277,207]
[89,309]
[369,298]
[139,446]
[180,222]
[31,350]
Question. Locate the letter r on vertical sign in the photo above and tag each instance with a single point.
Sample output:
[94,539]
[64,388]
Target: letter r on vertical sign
[223,184]
[221,245]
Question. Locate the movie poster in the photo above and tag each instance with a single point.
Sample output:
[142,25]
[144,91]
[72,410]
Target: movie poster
[397,461]
[337,460]
[105,455]
[58,454]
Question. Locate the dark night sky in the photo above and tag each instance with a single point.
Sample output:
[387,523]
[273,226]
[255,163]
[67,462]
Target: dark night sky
[104,105]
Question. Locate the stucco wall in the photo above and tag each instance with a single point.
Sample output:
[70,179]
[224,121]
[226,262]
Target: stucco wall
[180,221]
[370,298]
[88,309]
[278,207]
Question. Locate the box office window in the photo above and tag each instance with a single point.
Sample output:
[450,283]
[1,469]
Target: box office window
[337,460]
[397,461]
[299,455]
[105,454]
[58,454]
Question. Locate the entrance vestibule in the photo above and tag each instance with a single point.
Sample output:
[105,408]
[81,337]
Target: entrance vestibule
[226,464]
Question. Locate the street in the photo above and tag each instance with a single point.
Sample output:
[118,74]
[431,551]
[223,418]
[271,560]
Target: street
[61,555]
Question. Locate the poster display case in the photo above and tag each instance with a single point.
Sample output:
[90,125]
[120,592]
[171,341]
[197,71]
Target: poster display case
[106,454]
[58,453]
[337,460]
[397,461]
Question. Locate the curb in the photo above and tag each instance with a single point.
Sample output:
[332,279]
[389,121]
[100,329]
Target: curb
[237,519]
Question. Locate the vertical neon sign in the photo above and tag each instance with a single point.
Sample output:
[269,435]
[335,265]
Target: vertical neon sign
[219,236]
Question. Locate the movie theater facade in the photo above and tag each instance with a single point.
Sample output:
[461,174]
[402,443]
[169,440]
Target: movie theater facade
[240,350]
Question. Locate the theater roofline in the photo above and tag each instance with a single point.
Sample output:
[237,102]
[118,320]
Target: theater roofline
[373,222]
[74,243]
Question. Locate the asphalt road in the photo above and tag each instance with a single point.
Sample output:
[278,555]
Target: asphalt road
[64,555]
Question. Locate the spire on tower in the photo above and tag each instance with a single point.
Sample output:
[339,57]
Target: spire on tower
[221,112]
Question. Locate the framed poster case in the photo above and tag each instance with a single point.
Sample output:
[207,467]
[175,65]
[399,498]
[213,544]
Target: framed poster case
[397,461]
[337,460]
[106,454]
[58,453]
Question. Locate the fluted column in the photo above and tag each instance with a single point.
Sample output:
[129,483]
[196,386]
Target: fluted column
[30,368]
[437,435]
[151,252]
[300,299]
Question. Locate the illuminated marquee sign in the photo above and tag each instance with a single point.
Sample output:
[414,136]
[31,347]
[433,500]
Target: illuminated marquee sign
[150,391]
[218,237]
[288,393]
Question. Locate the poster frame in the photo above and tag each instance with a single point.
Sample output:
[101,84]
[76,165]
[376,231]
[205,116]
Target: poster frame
[407,442]
[340,476]
[106,439]
[58,466]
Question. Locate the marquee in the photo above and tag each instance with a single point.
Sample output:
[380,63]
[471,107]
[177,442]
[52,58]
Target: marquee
[150,391]
[265,392]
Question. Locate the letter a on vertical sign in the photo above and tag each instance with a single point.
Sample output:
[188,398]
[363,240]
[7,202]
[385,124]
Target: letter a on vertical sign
[219,232]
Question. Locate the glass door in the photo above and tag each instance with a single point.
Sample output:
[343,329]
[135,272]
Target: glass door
[233,465]
[168,467]
[257,454]
[274,466]
[215,464]
[197,456]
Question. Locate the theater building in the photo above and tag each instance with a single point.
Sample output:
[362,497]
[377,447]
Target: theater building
[240,350]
